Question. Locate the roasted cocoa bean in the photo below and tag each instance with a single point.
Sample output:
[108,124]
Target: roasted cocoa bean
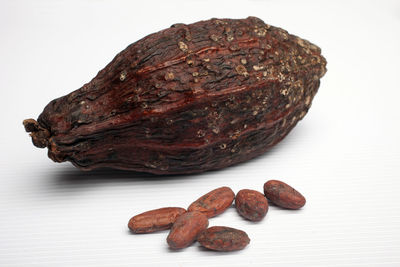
[187,99]
[223,238]
[214,202]
[186,229]
[283,195]
[251,204]
[154,220]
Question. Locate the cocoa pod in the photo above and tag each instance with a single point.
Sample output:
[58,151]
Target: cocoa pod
[187,99]
[283,195]
[154,220]
[251,204]
[186,229]
[214,202]
[222,238]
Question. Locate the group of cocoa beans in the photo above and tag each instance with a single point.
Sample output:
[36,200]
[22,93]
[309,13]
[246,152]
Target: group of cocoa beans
[190,225]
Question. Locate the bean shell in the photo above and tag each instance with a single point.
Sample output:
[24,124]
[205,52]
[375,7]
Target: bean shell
[154,220]
[214,202]
[186,229]
[251,204]
[222,238]
[283,195]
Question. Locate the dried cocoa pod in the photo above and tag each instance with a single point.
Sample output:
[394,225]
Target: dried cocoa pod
[222,238]
[214,202]
[155,220]
[251,204]
[187,99]
[186,229]
[283,195]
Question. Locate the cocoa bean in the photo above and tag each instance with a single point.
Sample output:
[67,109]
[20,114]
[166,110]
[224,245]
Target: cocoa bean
[251,204]
[214,202]
[154,220]
[186,229]
[283,195]
[187,99]
[223,238]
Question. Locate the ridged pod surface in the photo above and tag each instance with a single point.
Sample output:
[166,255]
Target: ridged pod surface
[187,99]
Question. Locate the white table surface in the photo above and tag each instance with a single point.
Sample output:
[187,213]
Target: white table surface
[343,156]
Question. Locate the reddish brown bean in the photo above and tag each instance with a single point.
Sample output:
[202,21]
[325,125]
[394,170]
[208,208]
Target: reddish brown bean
[251,204]
[186,229]
[222,238]
[154,220]
[214,202]
[283,195]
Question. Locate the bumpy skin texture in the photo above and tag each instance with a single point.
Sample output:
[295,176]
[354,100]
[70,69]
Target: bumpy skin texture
[154,220]
[187,99]
[222,238]
[251,204]
[214,202]
[186,229]
[283,195]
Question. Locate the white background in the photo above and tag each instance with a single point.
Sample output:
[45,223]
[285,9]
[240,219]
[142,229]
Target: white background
[343,156]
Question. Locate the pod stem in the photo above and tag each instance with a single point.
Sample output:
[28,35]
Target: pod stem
[40,136]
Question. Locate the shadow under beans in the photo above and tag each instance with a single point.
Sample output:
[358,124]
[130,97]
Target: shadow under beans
[171,250]
[219,253]
[273,206]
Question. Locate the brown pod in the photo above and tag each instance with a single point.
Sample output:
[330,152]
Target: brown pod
[283,195]
[186,229]
[223,238]
[251,204]
[154,220]
[187,99]
[214,202]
